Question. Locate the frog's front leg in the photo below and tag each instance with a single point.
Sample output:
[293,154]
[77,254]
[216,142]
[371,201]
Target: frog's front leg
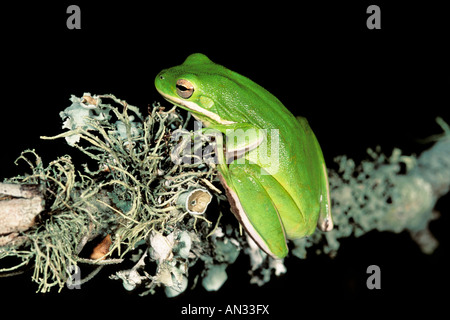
[241,138]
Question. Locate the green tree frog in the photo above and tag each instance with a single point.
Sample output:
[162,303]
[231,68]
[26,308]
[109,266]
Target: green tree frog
[272,202]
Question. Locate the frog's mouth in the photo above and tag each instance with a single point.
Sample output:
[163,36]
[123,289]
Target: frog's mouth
[195,109]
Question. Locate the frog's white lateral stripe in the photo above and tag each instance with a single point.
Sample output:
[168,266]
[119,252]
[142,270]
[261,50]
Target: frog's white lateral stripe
[192,106]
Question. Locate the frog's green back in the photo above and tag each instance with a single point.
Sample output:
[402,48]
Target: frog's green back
[243,99]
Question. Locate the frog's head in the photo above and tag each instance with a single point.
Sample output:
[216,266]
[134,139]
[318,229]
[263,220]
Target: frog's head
[197,85]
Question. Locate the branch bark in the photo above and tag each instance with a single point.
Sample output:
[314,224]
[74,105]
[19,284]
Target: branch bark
[20,204]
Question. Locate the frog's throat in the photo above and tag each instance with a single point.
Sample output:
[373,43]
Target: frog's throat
[195,108]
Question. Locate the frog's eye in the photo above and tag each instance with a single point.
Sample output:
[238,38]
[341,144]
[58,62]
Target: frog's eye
[185,89]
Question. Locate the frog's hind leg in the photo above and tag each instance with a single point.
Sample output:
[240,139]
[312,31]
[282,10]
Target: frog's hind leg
[263,207]
[325,221]
[254,209]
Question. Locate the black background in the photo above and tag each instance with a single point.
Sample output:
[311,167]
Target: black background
[358,88]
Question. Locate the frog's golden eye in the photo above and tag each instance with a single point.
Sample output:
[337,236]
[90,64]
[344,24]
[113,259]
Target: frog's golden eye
[185,89]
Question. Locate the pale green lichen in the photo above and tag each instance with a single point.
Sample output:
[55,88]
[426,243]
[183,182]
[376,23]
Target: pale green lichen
[215,277]
[131,195]
[140,173]
[378,195]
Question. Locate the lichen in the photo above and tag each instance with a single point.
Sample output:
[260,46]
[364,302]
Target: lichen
[132,198]
[131,195]
[395,194]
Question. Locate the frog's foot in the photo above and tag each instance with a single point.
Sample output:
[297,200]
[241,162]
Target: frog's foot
[325,222]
